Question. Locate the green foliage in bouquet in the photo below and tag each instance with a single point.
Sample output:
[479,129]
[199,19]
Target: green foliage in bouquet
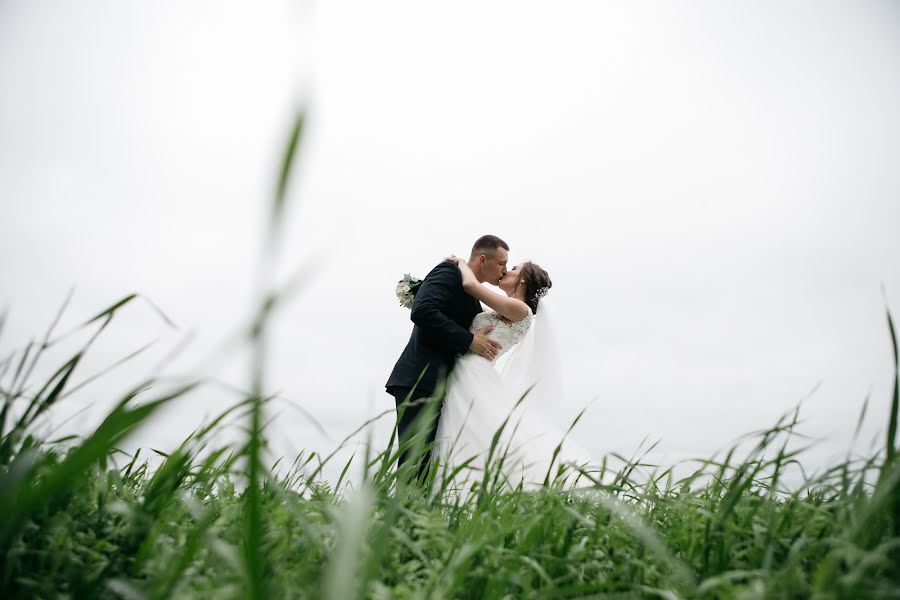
[406,290]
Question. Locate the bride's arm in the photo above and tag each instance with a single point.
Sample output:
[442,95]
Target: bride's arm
[512,308]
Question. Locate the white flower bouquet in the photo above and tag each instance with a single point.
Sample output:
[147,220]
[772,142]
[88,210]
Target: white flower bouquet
[406,290]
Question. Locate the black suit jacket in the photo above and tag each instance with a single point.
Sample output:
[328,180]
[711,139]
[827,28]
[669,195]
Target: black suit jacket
[442,312]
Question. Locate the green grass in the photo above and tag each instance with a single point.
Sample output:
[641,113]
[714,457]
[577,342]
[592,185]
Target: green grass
[216,521]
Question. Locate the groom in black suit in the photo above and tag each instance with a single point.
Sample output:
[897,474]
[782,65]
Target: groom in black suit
[442,312]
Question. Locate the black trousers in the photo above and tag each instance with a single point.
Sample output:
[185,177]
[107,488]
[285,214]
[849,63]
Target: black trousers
[413,406]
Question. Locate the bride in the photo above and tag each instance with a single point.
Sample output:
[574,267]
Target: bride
[505,398]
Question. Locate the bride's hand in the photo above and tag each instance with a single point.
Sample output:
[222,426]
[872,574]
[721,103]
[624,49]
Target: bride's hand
[454,259]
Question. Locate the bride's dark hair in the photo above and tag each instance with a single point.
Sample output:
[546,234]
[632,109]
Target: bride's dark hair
[537,282]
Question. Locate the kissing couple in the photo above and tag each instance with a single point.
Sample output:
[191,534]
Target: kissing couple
[468,373]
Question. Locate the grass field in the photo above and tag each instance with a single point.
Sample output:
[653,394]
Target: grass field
[217,522]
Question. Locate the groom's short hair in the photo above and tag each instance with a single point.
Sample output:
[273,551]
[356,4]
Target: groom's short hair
[487,245]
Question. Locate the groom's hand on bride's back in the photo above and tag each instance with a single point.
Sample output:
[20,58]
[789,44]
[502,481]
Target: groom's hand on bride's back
[483,345]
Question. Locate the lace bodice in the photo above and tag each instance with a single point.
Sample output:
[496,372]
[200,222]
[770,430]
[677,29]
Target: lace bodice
[507,334]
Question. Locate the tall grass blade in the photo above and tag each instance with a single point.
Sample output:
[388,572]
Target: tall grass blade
[287,164]
[342,576]
[891,442]
[111,310]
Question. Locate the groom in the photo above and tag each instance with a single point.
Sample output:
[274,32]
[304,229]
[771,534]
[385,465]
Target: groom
[442,312]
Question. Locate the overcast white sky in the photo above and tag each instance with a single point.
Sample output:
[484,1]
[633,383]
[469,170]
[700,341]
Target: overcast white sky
[714,188]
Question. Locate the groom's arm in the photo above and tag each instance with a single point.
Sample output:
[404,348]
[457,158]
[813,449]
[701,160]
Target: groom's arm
[427,310]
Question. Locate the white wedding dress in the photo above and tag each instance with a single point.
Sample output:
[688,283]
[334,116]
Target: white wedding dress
[482,394]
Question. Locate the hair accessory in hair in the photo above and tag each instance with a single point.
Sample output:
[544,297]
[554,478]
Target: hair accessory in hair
[541,292]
